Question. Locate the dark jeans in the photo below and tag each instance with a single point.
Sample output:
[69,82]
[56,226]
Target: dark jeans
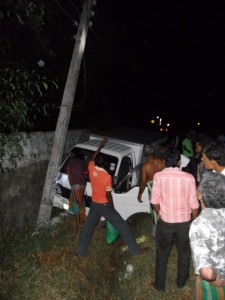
[110,214]
[166,233]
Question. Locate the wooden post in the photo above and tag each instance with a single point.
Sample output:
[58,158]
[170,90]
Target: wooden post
[64,116]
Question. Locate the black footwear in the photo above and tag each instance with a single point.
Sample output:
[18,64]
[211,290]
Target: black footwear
[155,290]
[80,256]
[181,286]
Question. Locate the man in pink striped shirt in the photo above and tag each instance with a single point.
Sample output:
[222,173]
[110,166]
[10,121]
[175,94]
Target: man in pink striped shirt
[174,199]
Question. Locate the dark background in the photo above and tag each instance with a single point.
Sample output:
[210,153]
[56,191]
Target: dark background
[143,59]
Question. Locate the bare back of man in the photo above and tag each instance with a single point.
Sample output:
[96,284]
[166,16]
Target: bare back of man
[153,165]
[148,169]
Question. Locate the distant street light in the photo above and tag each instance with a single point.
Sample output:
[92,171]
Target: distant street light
[41,63]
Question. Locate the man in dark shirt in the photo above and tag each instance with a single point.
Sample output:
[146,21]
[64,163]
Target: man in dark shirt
[77,173]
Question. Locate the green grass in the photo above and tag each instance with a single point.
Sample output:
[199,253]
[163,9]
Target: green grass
[44,266]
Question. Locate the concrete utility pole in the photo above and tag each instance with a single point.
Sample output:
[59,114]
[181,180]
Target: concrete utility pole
[64,116]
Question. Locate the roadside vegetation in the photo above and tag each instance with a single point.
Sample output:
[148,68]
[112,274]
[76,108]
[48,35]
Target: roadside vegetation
[42,265]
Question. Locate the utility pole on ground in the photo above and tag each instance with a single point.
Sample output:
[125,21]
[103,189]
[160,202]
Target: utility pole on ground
[64,115]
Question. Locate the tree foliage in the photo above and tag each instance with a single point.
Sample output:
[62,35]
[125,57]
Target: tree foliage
[24,86]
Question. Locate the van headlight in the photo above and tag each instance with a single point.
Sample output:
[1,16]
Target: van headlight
[58,190]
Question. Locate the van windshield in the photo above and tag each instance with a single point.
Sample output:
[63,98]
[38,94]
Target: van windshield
[111,161]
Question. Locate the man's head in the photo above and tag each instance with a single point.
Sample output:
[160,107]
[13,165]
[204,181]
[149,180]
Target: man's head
[163,147]
[212,190]
[79,156]
[100,161]
[172,158]
[213,156]
[149,151]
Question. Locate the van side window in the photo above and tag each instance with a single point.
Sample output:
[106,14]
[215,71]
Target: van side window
[129,181]
[125,168]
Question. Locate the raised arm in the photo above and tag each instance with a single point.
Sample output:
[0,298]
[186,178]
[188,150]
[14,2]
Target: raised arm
[101,145]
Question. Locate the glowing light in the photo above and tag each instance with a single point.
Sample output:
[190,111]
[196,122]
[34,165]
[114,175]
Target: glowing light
[41,63]
[198,123]
[152,121]
[168,124]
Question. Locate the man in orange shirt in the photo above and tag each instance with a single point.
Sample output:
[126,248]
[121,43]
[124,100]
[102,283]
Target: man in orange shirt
[102,206]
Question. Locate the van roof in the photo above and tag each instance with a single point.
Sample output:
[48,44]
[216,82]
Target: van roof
[135,135]
[110,147]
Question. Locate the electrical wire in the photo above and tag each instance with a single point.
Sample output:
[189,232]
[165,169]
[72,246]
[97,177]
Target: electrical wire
[84,64]
[74,6]
[71,18]
[106,53]
[63,9]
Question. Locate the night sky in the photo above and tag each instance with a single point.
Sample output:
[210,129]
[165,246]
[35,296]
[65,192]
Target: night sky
[149,58]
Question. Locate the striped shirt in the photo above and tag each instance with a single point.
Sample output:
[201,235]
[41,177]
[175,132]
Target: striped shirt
[175,191]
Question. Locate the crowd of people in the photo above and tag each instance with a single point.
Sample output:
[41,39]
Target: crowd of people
[189,200]
[186,187]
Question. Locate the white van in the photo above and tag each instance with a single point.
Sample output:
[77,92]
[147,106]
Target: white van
[123,155]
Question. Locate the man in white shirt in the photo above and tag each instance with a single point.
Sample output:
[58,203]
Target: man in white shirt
[207,238]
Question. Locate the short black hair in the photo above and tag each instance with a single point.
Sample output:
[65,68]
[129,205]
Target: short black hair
[172,157]
[215,151]
[212,187]
[99,160]
[79,156]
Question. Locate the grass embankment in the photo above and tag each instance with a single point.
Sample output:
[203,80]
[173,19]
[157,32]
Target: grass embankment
[44,266]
